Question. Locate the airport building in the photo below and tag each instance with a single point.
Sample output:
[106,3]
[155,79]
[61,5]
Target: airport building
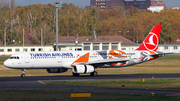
[85,43]
[140,4]
[93,43]
[12,49]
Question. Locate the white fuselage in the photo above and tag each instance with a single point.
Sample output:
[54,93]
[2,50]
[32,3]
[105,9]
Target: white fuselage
[64,59]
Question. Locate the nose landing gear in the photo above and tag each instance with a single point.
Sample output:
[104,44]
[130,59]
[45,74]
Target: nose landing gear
[23,73]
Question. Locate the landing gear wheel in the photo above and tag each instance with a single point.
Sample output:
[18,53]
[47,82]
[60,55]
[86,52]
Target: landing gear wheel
[94,73]
[22,75]
[75,74]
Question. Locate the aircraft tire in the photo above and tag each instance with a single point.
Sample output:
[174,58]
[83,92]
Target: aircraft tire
[75,74]
[94,73]
[22,75]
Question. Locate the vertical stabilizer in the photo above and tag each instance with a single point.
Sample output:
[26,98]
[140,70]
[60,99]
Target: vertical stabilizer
[152,40]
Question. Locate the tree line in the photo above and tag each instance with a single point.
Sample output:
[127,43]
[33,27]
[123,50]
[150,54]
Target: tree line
[38,19]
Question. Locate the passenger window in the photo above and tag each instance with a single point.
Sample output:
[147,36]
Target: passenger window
[32,49]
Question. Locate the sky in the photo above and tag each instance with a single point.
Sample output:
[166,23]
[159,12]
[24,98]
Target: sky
[83,3]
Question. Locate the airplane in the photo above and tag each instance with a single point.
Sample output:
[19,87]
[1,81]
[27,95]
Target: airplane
[82,62]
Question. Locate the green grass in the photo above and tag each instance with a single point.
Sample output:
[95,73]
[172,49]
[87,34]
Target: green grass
[2,59]
[169,57]
[164,84]
[43,95]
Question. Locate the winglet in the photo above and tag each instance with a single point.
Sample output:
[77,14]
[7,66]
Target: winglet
[152,40]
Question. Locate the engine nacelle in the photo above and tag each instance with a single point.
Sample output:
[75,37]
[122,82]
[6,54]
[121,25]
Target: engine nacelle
[60,70]
[83,69]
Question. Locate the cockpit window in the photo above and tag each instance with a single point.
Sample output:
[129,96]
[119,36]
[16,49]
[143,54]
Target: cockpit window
[14,57]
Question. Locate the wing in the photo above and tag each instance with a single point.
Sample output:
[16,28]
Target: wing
[104,61]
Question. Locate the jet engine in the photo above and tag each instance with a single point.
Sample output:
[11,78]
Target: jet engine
[60,70]
[83,69]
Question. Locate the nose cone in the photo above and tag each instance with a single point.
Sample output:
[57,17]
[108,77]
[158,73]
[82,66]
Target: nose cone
[7,63]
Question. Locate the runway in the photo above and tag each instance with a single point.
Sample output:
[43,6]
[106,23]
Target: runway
[35,82]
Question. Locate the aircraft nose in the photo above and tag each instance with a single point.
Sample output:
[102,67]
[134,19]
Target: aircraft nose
[7,63]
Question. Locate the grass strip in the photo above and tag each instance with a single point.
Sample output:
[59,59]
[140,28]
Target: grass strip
[44,95]
[163,84]
[2,59]
[169,57]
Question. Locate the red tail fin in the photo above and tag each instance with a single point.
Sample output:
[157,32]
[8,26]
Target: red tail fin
[151,41]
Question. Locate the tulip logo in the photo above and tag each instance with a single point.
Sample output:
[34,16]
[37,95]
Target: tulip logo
[151,42]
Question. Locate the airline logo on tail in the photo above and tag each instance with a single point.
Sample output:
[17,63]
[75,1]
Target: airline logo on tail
[151,41]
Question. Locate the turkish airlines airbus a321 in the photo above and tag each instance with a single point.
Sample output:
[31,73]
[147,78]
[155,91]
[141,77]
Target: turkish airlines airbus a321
[87,61]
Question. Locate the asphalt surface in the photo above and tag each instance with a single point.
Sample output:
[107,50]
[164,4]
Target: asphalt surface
[36,82]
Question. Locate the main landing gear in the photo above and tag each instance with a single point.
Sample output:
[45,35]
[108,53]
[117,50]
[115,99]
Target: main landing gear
[92,74]
[75,74]
[23,73]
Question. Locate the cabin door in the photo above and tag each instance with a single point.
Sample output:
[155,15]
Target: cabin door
[27,57]
[59,59]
